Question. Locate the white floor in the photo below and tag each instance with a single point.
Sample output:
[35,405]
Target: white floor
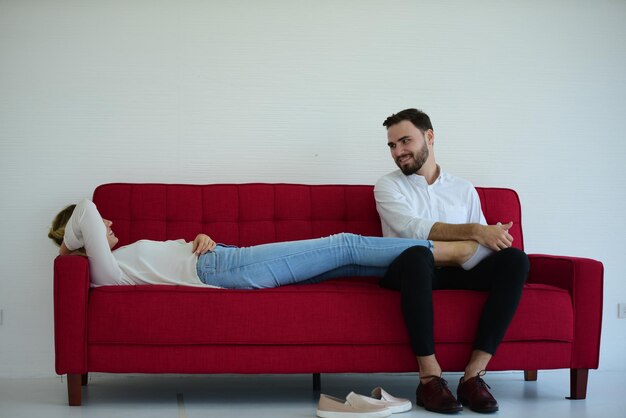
[133,396]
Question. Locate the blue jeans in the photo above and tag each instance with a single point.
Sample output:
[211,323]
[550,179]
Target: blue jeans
[307,261]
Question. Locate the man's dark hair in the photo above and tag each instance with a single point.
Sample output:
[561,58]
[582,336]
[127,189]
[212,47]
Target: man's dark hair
[416,116]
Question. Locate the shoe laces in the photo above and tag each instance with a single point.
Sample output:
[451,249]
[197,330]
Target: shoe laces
[479,379]
[441,382]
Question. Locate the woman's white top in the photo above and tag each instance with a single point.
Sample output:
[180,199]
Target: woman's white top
[142,262]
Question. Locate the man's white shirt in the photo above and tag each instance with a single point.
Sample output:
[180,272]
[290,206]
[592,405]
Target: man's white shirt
[409,207]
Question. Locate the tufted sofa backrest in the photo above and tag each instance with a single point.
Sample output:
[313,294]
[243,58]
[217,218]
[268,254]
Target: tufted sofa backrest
[250,214]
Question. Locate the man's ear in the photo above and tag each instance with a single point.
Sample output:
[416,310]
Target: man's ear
[430,137]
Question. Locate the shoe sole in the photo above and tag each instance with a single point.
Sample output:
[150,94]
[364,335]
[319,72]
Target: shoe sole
[480,411]
[332,414]
[400,408]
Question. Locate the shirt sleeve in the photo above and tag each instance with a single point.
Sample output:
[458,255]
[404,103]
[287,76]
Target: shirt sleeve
[476,212]
[397,213]
[86,229]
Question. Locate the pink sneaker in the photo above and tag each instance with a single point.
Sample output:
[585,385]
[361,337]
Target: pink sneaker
[331,407]
[394,404]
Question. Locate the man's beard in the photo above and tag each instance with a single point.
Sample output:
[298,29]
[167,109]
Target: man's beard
[419,158]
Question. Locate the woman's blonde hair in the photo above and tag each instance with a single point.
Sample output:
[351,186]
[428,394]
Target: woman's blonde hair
[57,230]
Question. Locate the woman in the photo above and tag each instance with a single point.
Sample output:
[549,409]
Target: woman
[81,229]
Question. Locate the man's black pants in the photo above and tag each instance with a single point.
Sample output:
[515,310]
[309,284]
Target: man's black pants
[414,274]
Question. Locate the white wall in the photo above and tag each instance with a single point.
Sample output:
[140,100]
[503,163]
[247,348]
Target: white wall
[529,95]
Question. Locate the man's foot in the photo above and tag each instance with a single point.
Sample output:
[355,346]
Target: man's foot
[475,393]
[436,397]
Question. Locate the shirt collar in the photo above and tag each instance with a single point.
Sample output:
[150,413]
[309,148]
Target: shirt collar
[421,180]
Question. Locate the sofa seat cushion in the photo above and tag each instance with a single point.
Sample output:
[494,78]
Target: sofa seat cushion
[346,311]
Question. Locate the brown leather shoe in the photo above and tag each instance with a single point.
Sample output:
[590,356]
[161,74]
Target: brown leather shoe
[436,397]
[474,392]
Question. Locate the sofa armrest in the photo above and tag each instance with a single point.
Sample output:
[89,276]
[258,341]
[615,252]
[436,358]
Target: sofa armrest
[71,292]
[583,278]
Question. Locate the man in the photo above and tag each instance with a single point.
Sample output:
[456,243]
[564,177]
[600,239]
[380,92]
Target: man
[423,201]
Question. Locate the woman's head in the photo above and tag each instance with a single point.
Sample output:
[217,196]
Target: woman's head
[57,230]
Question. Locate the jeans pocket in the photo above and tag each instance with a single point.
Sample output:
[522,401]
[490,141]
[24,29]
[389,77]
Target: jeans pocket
[206,266]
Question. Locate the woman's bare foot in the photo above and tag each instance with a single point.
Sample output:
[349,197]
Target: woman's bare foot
[454,253]
[479,255]
[466,254]
[466,250]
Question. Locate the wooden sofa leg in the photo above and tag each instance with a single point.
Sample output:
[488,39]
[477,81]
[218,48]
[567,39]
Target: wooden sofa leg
[317,382]
[74,389]
[578,383]
[530,375]
[84,378]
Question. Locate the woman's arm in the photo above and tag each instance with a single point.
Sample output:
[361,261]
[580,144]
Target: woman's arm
[63,250]
[86,229]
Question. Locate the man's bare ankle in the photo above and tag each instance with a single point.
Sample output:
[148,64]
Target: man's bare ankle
[470,373]
[428,368]
[427,376]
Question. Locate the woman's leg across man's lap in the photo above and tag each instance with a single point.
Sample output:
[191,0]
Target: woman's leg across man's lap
[278,264]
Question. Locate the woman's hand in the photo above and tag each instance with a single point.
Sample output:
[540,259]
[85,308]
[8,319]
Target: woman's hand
[63,249]
[202,244]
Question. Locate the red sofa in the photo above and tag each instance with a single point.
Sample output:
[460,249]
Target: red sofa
[345,325]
